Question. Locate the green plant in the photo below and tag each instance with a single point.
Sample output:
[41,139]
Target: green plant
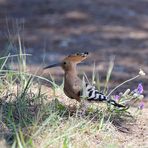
[30,115]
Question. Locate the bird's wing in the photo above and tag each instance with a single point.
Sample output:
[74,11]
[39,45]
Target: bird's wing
[92,94]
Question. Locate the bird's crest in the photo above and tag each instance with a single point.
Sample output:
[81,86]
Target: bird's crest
[73,58]
[78,57]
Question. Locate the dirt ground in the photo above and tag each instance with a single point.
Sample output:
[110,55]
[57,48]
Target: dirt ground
[51,29]
[137,136]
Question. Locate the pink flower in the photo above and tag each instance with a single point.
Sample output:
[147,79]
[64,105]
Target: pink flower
[141,105]
[117,97]
[140,88]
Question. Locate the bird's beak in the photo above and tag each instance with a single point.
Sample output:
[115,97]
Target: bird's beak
[54,65]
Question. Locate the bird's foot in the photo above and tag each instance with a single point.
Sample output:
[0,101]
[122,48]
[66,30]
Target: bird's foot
[84,107]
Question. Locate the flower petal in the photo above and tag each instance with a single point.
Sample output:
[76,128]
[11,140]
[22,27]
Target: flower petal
[140,88]
[141,106]
[117,97]
[141,72]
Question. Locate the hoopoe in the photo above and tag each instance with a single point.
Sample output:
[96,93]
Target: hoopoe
[74,87]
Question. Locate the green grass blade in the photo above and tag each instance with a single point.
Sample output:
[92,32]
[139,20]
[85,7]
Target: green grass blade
[111,65]
[5,61]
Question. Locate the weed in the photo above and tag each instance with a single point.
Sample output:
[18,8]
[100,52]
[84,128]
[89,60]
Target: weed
[31,119]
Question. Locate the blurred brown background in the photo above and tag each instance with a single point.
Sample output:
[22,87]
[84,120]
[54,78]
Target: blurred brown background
[51,29]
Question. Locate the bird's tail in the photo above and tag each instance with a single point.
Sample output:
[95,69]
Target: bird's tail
[113,102]
[92,94]
[103,98]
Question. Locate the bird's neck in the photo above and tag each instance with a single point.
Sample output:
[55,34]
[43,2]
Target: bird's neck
[71,73]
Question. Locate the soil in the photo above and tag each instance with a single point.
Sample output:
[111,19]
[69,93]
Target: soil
[51,29]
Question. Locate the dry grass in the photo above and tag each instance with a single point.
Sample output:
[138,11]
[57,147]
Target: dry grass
[61,122]
[33,115]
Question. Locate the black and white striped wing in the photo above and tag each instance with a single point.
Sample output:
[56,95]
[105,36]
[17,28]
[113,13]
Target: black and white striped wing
[92,94]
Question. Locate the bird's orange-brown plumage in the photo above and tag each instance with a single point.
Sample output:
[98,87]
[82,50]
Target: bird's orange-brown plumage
[73,85]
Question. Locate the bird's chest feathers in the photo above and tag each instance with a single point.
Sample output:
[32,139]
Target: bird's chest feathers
[72,85]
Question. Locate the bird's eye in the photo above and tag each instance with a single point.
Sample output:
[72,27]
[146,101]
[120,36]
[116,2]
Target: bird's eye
[64,63]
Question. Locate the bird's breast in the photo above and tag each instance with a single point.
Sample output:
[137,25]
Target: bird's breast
[72,89]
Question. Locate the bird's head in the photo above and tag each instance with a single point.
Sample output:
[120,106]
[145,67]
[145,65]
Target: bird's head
[70,61]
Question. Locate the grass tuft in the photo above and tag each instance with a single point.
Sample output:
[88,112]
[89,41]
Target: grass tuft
[29,117]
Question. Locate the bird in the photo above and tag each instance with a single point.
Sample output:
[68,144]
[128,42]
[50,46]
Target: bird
[76,88]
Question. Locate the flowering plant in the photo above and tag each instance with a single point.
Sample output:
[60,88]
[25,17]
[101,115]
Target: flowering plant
[129,97]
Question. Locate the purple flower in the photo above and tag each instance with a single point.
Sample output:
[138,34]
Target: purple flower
[141,105]
[117,97]
[140,88]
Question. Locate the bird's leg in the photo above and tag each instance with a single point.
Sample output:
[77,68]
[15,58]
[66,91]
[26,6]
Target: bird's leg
[84,106]
[78,108]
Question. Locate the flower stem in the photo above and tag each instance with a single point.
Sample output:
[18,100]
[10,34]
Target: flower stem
[122,84]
